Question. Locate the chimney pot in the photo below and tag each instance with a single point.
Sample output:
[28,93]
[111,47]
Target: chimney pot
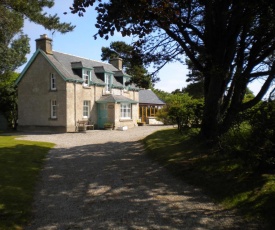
[116,62]
[44,43]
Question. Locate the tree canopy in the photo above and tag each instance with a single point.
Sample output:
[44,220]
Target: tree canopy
[14,45]
[132,63]
[8,102]
[231,43]
[34,11]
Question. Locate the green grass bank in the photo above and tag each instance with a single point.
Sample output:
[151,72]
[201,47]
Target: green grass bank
[20,165]
[227,179]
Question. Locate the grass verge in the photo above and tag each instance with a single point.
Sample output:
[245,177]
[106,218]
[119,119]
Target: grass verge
[228,180]
[20,164]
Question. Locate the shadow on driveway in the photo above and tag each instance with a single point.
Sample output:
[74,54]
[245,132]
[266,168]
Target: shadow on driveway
[115,186]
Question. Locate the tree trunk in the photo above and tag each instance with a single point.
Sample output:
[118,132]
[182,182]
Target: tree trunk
[212,105]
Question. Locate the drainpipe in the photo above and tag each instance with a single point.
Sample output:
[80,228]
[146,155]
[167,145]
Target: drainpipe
[75,104]
[95,105]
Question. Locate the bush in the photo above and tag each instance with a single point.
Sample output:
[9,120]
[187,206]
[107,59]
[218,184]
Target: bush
[263,135]
[253,137]
[183,110]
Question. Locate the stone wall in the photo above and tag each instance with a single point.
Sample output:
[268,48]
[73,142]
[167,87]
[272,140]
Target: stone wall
[34,100]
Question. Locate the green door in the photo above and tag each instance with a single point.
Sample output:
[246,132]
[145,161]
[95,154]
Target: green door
[102,115]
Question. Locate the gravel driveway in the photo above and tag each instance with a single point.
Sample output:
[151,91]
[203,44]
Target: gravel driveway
[103,180]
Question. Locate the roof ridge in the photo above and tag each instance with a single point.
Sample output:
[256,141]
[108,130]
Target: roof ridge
[82,57]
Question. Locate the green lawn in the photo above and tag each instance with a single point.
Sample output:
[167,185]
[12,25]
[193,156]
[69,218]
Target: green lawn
[20,164]
[227,179]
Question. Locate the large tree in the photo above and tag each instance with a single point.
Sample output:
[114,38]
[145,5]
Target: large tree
[14,45]
[132,63]
[231,42]
[8,102]
[34,11]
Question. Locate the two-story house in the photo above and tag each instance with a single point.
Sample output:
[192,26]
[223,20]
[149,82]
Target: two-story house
[56,90]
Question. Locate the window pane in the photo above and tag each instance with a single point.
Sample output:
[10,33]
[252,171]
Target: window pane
[86,77]
[53,109]
[53,81]
[86,108]
[125,110]
[108,82]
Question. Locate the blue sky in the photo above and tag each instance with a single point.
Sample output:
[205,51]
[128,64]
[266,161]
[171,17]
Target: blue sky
[81,43]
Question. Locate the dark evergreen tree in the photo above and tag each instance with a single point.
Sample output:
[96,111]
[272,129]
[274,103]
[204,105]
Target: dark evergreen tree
[231,43]
[132,63]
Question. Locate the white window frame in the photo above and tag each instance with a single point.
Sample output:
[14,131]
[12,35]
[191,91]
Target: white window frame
[53,109]
[86,77]
[125,111]
[126,87]
[108,82]
[86,109]
[53,81]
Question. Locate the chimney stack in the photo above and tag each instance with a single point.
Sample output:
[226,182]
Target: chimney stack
[44,43]
[116,62]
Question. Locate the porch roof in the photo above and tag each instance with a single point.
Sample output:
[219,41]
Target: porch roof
[149,97]
[115,99]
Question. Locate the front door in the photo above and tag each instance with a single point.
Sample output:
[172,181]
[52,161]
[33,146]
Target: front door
[102,113]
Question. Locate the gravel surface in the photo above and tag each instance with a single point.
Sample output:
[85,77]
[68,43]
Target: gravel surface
[103,180]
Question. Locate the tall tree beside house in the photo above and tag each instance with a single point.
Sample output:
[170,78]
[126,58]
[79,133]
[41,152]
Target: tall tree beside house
[231,43]
[8,102]
[34,11]
[14,45]
[132,63]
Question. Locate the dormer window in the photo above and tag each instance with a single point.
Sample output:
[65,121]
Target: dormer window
[126,81]
[86,77]
[108,82]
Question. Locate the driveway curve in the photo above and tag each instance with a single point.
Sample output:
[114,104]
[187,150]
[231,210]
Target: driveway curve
[103,180]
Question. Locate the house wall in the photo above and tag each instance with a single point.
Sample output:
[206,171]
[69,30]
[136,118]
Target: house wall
[135,111]
[76,94]
[35,96]
[34,100]
[125,122]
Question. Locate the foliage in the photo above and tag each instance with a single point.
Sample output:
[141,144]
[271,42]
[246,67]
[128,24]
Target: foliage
[132,63]
[20,164]
[8,102]
[33,10]
[227,179]
[231,43]
[263,135]
[195,90]
[162,95]
[182,110]
[14,45]
[252,138]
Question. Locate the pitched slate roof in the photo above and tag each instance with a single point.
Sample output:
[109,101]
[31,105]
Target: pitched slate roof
[149,97]
[65,65]
[115,98]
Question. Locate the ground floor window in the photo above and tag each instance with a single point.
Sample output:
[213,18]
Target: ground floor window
[86,109]
[125,111]
[53,109]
